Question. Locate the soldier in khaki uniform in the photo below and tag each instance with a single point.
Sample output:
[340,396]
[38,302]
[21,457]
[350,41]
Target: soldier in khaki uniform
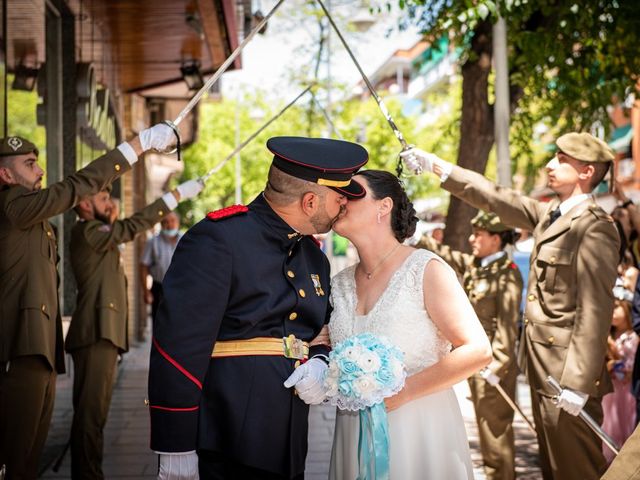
[494,286]
[98,330]
[626,466]
[30,325]
[569,294]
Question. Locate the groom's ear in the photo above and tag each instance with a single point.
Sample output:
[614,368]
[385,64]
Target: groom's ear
[309,203]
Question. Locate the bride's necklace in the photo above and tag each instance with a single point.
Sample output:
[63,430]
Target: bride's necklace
[370,274]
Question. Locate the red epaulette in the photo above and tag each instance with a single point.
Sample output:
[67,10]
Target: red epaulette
[315,240]
[227,212]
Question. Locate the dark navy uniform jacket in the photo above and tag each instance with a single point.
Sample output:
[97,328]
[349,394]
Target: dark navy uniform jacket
[244,276]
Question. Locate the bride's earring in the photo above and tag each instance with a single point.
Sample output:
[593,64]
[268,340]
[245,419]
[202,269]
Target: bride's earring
[378,217]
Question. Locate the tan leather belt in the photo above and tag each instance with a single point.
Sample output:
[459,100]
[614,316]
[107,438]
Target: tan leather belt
[290,347]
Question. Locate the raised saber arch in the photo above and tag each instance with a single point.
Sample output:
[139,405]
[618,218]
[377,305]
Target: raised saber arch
[214,78]
[374,94]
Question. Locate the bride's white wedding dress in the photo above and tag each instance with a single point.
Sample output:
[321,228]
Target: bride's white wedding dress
[427,437]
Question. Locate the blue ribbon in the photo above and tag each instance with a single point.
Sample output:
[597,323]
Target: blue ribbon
[373,444]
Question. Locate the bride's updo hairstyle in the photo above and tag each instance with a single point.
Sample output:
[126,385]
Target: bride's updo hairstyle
[403,216]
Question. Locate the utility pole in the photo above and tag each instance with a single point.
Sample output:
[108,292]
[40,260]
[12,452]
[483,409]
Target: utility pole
[501,107]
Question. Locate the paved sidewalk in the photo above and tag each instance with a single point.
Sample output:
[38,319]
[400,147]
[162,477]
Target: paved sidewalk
[126,449]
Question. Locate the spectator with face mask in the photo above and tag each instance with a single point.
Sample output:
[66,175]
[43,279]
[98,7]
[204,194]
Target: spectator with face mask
[156,259]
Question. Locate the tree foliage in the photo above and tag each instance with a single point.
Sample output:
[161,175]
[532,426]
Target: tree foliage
[567,62]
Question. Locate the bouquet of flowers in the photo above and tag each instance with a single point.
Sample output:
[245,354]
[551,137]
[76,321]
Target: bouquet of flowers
[363,371]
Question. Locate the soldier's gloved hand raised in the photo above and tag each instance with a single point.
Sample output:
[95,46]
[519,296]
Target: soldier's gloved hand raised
[178,466]
[419,161]
[308,379]
[190,188]
[572,401]
[158,137]
[491,378]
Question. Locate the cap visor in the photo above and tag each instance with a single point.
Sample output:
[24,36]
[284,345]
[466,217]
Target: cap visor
[353,191]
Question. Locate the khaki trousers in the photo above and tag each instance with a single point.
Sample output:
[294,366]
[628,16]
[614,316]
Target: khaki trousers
[27,392]
[626,466]
[93,375]
[495,418]
[568,448]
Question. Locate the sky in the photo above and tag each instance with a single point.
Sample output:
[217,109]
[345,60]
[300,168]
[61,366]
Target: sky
[290,43]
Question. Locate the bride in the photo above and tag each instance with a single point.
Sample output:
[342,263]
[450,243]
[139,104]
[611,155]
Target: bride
[414,299]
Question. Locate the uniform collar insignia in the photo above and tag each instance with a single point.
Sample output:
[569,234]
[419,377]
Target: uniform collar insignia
[292,235]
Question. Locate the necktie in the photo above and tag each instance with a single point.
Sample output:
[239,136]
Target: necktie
[554,215]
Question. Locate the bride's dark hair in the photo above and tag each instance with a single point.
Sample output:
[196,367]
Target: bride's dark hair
[403,216]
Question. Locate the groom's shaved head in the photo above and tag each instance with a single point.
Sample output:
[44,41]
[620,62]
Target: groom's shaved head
[284,189]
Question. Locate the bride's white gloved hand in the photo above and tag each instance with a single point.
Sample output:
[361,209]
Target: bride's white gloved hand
[308,379]
[178,466]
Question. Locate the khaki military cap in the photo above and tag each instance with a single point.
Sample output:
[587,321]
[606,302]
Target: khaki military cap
[489,222]
[16,146]
[585,147]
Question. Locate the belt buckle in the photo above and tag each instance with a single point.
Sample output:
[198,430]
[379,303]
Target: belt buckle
[293,347]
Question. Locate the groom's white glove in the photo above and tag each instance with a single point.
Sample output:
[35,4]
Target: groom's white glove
[178,466]
[491,378]
[419,161]
[308,379]
[572,401]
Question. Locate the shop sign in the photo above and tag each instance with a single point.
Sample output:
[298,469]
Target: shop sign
[96,118]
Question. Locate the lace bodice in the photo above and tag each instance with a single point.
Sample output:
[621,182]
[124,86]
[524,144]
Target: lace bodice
[399,313]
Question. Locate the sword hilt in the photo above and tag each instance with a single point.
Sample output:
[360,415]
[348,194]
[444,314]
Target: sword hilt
[177,148]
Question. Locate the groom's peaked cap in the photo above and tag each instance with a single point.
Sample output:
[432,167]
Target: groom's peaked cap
[324,161]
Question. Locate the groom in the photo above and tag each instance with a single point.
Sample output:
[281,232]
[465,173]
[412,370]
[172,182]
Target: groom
[246,292]
[569,297]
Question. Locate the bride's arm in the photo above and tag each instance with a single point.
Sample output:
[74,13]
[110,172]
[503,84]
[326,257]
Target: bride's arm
[449,308]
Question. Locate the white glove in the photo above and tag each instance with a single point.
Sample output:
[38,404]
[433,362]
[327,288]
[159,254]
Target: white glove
[158,137]
[572,401]
[190,188]
[308,379]
[491,378]
[178,466]
[418,161]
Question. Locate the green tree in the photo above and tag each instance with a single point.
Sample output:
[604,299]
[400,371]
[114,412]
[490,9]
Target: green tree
[567,61]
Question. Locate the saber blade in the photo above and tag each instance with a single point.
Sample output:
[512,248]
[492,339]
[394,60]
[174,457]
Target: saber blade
[383,107]
[515,407]
[215,169]
[214,78]
[588,419]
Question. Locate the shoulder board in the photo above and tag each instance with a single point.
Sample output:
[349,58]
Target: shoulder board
[314,240]
[226,212]
[599,213]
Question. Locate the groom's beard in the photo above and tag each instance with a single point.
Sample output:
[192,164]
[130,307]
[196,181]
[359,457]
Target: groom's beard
[322,222]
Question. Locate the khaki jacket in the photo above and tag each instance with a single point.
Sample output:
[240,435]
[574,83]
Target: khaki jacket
[30,321]
[101,308]
[569,293]
[495,292]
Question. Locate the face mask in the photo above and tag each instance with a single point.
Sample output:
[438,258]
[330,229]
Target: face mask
[169,232]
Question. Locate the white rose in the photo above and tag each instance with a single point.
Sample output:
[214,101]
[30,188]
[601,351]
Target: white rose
[353,352]
[365,385]
[369,362]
